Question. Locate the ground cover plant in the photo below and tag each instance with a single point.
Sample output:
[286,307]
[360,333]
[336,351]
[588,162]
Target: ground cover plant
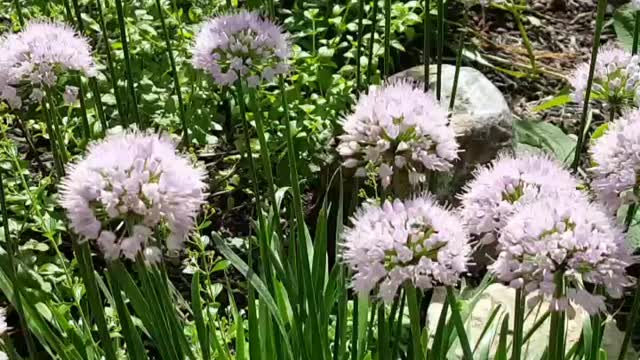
[262,179]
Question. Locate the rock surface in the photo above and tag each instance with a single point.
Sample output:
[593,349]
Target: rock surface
[499,295]
[481,115]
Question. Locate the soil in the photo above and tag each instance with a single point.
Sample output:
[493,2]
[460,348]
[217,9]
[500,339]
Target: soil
[561,33]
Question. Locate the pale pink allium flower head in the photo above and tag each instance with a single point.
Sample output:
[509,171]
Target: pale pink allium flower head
[567,237]
[33,59]
[398,128]
[616,158]
[131,189]
[416,240]
[500,188]
[242,44]
[616,78]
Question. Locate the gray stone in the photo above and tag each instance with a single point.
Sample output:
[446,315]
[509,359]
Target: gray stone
[481,115]
[499,295]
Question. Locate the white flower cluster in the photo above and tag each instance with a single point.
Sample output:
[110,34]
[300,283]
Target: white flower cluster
[242,44]
[32,60]
[616,78]
[129,187]
[556,237]
[398,128]
[416,240]
[616,157]
[500,188]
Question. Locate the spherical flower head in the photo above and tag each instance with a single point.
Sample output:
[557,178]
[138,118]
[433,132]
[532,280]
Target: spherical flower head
[616,158]
[562,236]
[416,240]
[615,80]
[241,45]
[507,183]
[398,128]
[129,188]
[634,5]
[33,59]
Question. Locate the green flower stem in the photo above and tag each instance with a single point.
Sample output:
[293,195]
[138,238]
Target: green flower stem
[459,324]
[266,158]
[518,325]
[112,71]
[85,264]
[556,330]
[387,35]
[53,142]
[636,34]
[248,152]
[86,128]
[602,7]
[174,73]
[127,63]
[359,46]
[372,40]
[19,12]
[456,75]
[55,119]
[414,319]
[383,333]
[426,46]
[440,48]
[635,308]
[11,248]
[93,82]
[293,167]
[525,39]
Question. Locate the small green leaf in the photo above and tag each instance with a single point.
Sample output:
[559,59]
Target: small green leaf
[600,130]
[559,100]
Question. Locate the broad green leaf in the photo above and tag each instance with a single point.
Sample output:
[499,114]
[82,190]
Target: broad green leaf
[624,24]
[546,137]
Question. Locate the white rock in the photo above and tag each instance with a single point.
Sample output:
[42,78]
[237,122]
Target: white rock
[499,295]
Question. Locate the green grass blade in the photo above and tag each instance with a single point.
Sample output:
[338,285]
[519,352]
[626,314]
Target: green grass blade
[113,77]
[174,73]
[201,327]
[501,352]
[83,255]
[127,63]
[387,36]
[135,347]
[414,315]
[260,287]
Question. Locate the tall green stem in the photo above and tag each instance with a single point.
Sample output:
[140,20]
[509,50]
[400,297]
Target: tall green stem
[93,82]
[359,46]
[53,142]
[55,119]
[440,48]
[518,325]
[13,270]
[372,40]
[174,73]
[636,34]
[112,70]
[266,158]
[602,7]
[426,46]
[86,128]
[387,35]
[414,319]
[83,255]
[127,62]
[525,39]
[556,330]
[456,75]
[19,12]
[459,324]
[635,307]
